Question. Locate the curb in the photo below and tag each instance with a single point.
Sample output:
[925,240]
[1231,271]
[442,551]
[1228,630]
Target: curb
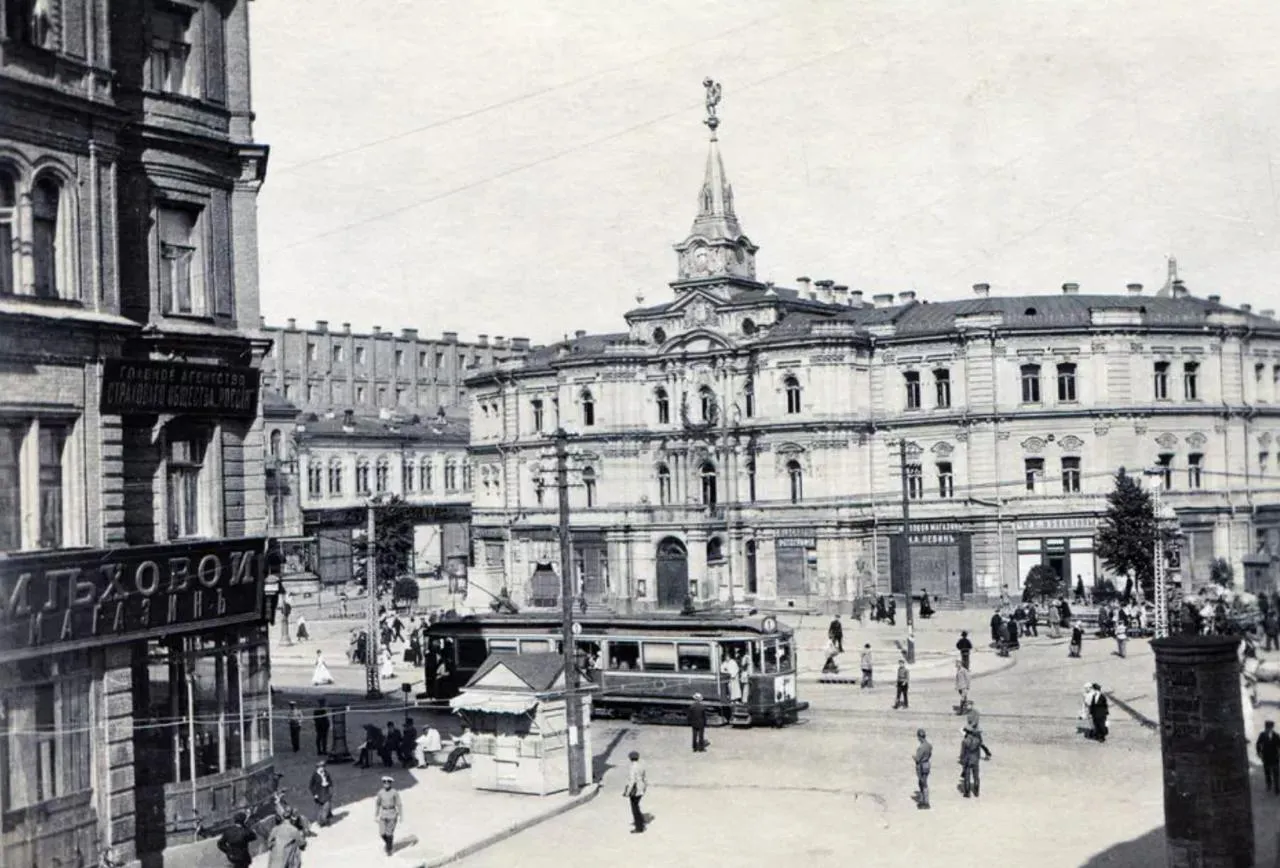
[582,798]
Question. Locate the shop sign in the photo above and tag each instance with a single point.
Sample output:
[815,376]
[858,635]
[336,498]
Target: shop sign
[98,597]
[797,542]
[142,386]
[933,539]
[1084,522]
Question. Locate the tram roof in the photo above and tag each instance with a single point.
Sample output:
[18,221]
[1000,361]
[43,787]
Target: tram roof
[656,621]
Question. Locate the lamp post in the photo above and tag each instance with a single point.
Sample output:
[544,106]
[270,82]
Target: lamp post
[373,687]
[1159,570]
[573,710]
[906,547]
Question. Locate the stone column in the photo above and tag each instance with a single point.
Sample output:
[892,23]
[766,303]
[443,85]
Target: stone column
[1207,800]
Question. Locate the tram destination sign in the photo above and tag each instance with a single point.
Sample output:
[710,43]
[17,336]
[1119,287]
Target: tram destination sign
[63,600]
[145,386]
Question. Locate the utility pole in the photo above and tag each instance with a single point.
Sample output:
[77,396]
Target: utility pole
[1158,565]
[730,487]
[373,685]
[573,711]
[906,554]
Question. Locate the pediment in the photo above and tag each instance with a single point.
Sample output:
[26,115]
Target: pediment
[697,341]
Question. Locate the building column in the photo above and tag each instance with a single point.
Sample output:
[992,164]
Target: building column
[118,818]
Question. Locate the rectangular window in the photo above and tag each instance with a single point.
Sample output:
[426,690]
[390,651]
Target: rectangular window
[1264,463]
[535,646]
[382,396]
[1165,463]
[8,222]
[946,480]
[315,479]
[335,478]
[749,402]
[424,475]
[401,392]
[471,652]
[46,734]
[1066,383]
[1071,475]
[659,657]
[11,436]
[694,657]
[360,355]
[1195,470]
[942,387]
[182,265]
[399,358]
[1160,381]
[186,461]
[537,415]
[1030,384]
[52,440]
[174,67]
[439,364]
[313,394]
[1033,470]
[313,351]
[912,382]
[360,393]
[915,482]
[407,468]
[422,361]
[1191,381]
[339,353]
[624,655]
[504,646]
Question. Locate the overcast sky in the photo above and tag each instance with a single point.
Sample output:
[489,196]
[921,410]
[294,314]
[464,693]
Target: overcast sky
[523,168]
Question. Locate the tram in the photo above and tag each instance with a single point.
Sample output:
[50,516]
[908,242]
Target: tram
[645,667]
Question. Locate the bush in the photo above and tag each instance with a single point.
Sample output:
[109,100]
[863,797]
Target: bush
[1042,583]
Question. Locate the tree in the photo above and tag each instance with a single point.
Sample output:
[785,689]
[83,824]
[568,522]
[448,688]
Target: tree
[1042,582]
[1221,572]
[1127,536]
[393,541]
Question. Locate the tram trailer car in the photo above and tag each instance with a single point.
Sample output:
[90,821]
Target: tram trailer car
[645,667]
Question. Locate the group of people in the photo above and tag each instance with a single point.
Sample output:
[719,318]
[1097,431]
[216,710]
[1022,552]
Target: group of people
[973,750]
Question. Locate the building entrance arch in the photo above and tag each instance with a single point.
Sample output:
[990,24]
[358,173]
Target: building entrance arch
[673,573]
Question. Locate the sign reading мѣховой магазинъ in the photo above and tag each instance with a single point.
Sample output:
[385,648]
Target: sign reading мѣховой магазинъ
[95,597]
[144,386]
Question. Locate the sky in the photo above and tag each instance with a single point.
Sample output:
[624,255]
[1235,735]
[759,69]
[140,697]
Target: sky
[522,169]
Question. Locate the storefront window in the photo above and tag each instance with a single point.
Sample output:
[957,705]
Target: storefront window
[206,706]
[46,732]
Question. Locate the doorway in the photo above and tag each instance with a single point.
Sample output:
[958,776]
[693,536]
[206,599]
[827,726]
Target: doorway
[673,573]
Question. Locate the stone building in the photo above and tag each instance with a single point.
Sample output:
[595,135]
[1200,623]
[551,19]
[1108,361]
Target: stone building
[321,370]
[743,440]
[134,676]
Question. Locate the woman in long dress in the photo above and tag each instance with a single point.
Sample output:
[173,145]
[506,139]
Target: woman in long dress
[321,673]
[386,664]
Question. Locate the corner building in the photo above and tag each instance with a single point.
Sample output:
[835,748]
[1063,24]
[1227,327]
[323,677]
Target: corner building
[742,441]
[134,673]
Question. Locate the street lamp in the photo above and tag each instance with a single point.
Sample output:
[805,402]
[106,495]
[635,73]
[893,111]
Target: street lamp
[1164,516]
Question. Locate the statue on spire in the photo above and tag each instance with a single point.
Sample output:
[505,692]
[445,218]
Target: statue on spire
[713,100]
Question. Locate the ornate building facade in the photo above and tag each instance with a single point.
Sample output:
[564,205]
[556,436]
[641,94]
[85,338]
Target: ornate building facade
[134,674]
[743,441]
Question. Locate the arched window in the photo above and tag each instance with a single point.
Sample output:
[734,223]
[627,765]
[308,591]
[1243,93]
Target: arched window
[466,475]
[45,201]
[588,408]
[749,400]
[715,550]
[408,472]
[589,484]
[315,478]
[664,484]
[796,477]
[708,474]
[382,480]
[450,475]
[273,444]
[362,477]
[707,404]
[335,477]
[792,387]
[751,480]
[425,482]
[8,232]
[661,398]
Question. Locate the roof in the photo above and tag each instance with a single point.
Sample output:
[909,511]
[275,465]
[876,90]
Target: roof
[493,703]
[539,671]
[275,404]
[420,429]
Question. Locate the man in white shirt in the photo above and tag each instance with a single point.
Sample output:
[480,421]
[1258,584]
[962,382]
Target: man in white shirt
[637,786]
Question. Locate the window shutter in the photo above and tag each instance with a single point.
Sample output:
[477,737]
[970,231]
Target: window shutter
[223,287]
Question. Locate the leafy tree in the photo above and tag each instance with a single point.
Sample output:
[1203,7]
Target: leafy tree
[1127,536]
[393,542]
[1042,582]
[1221,572]
[407,590]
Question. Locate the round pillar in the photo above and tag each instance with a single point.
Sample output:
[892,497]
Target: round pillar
[1208,809]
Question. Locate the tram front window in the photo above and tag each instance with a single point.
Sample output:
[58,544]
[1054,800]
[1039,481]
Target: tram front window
[770,656]
[785,661]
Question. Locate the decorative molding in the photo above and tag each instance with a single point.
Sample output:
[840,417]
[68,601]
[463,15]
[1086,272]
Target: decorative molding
[961,436]
[788,448]
[1002,435]
[836,443]
[1264,438]
[1033,445]
[1197,440]
[1217,428]
[942,449]
[1167,440]
[826,358]
[1136,348]
[1101,428]
[1099,346]
[1139,428]
[1071,443]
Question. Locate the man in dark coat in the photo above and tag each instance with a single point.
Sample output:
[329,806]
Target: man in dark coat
[408,740]
[970,757]
[836,633]
[698,723]
[321,720]
[1098,711]
[892,612]
[431,668]
[321,787]
[1268,748]
[235,842]
[390,744]
[923,758]
[997,628]
[965,647]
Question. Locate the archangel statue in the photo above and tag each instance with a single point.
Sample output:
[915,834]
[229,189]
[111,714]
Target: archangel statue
[713,100]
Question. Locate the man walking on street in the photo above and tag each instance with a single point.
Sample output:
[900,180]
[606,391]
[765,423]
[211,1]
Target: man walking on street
[836,633]
[321,787]
[295,726]
[1268,748]
[235,842]
[965,647]
[903,683]
[637,785]
[962,686]
[698,723]
[1271,628]
[321,720]
[923,757]
[387,810]
[866,666]
[285,844]
[970,757]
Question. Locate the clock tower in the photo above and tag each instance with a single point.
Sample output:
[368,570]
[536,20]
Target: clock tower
[716,251]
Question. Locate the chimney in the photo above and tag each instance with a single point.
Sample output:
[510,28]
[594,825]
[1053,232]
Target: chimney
[1247,308]
[823,291]
[499,342]
[409,334]
[292,324]
[348,420]
[580,334]
[883,299]
[346,328]
[377,330]
[907,296]
[855,298]
[1070,289]
[262,322]
[449,337]
[520,343]
[982,290]
[322,326]
[1268,313]
[802,283]
[1216,299]
[1179,289]
[1134,288]
[840,294]
[482,340]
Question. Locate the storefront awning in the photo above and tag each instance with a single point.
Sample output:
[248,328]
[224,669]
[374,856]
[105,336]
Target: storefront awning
[492,703]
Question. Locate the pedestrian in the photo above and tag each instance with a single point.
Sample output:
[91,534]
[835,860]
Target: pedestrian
[1271,629]
[965,647]
[303,633]
[431,668]
[902,684]
[729,668]
[1004,596]
[1097,711]
[391,741]
[973,721]
[235,841]
[320,674]
[926,606]
[408,743]
[1014,644]
[829,667]
[321,787]
[997,631]
[892,612]
[386,663]
[295,726]
[836,633]
[1033,620]
[970,757]
[1077,640]
[744,678]
[882,614]
[923,757]
[637,785]
[1268,749]
[320,719]
[962,687]
[698,723]
[866,666]
[1122,636]
[1055,619]
[285,844]
[387,811]
[429,744]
